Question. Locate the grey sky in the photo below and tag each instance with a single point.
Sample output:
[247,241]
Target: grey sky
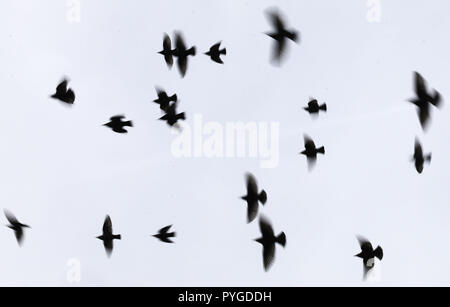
[62,172]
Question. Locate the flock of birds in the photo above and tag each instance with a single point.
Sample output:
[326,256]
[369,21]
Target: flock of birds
[424,98]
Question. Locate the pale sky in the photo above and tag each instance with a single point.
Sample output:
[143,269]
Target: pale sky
[62,172]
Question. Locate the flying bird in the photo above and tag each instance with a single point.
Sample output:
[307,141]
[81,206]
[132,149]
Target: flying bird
[368,254]
[108,237]
[167,51]
[15,225]
[64,94]
[314,107]
[424,99]
[117,124]
[215,52]
[164,235]
[182,53]
[268,241]
[280,34]
[311,151]
[171,116]
[419,158]
[164,100]
[253,197]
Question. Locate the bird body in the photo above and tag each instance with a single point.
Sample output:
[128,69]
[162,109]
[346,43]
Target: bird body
[164,235]
[253,197]
[368,254]
[16,226]
[281,34]
[117,124]
[420,158]
[171,116]
[108,237]
[215,52]
[311,151]
[64,94]
[182,53]
[314,107]
[164,100]
[268,241]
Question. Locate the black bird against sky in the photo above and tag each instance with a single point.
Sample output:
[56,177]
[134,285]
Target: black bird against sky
[280,34]
[424,98]
[314,108]
[182,53]
[118,124]
[64,94]
[163,99]
[268,241]
[171,116]
[215,52]
[108,236]
[253,197]
[311,151]
[16,226]
[419,157]
[164,235]
[368,254]
[167,51]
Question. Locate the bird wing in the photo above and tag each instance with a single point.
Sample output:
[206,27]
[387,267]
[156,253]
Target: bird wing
[309,143]
[268,255]
[252,210]
[216,58]
[167,43]
[424,115]
[62,87]
[117,118]
[11,218]
[18,232]
[159,91]
[276,21]
[252,185]
[109,245]
[420,85]
[365,245]
[166,240]
[215,48]
[107,226]
[179,42]
[418,151]
[165,229]
[182,64]
[266,228]
[70,97]
[313,103]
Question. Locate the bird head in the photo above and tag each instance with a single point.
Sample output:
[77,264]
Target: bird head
[260,240]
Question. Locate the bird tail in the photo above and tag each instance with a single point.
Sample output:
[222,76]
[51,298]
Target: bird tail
[323,107]
[428,158]
[281,239]
[223,51]
[174,97]
[293,36]
[262,197]
[118,237]
[129,123]
[378,252]
[192,51]
[321,150]
[181,116]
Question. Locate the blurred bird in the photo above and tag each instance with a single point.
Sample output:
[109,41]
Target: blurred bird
[314,107]
[63,94]
[215,52]
[253,197]
[171,116]
[117,124]
[15,225]
[280,34]
[268,241]
[368,254]
[182,53]
[419,158]
[164,235]
[167,51]
[164,100]
[311,151]
[423,99]
[108,237]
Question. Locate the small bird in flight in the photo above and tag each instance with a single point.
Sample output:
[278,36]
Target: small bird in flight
[117,124]
[419,158]
[314,107]
[182,53]
[164,235]
[268,241]
[368,254]
[423,99]
[253,197]
[171,116]
[280,34]
[167,51]
[215,52]
[15,225]
[311,151]
[64,94]
[108,237]
[164,100]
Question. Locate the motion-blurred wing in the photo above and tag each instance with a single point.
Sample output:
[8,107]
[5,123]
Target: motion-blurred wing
[107,226]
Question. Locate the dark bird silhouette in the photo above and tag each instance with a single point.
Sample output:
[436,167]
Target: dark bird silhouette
[182,53]
[108,237]
[268,241]
[419,158]
[368,254]
[164,100]
[253,197]
[15,225]
[171,116]
[164,235]
[424,99]
[117,124]
[311,151]
[280,34]
[167,51]
[215,52]
[314,107]
[64,94]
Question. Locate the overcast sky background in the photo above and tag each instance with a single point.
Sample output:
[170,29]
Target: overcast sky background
[62,172]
